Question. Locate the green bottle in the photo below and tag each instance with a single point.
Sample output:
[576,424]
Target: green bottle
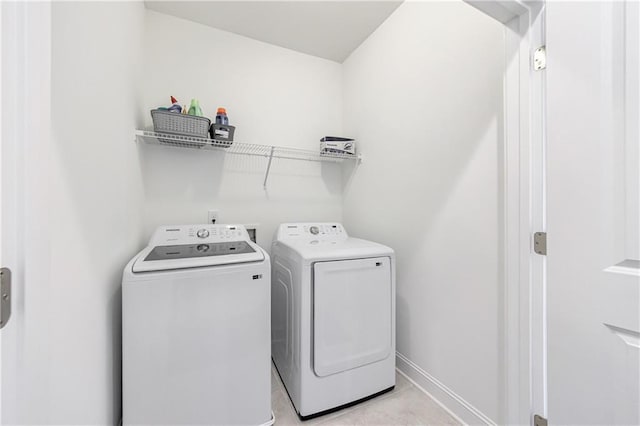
[194,108]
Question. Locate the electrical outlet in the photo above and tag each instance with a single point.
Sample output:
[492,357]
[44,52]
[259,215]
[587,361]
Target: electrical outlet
[213,216]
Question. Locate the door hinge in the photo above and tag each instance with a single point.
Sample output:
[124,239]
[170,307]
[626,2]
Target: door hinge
[539,421]
[5,296]
[540,243]
[540,58]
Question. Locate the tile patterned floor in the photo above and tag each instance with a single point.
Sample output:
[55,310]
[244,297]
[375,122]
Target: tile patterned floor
[406,405]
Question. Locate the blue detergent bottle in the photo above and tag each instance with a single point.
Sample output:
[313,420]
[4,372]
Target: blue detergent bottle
[221,116]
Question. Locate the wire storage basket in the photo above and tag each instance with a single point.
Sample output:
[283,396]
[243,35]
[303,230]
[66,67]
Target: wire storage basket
[180,124]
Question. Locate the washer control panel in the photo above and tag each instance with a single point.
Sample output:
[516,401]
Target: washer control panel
[186,234]
[312,231]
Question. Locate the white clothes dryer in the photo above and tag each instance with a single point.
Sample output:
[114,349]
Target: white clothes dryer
[196,329]
[332,316]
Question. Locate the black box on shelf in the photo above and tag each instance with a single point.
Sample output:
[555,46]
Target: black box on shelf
[222,132]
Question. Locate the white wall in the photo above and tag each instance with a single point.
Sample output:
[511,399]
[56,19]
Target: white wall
[94,222]
[272,95]
[423,97]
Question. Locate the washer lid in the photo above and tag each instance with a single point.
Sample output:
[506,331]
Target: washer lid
[181,256]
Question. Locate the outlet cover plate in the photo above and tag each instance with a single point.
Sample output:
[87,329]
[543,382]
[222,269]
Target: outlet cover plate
[213,216]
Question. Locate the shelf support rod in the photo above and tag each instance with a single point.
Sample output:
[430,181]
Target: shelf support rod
[266,175]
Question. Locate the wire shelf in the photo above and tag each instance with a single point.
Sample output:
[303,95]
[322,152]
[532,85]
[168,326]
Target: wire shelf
[238,148]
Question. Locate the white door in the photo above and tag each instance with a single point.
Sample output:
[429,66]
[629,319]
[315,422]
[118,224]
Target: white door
[9,135]
[25,42]
[593,286]
[351,314]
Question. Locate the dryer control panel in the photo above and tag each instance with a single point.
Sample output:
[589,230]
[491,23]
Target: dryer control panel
[193,234]
[312,232]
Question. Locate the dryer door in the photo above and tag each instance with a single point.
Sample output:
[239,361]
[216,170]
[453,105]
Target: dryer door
[351,314]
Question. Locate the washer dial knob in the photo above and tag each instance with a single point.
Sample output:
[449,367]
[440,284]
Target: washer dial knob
[314,230]
[202,233]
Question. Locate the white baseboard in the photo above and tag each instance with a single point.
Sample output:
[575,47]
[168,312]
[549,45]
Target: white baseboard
[445,397]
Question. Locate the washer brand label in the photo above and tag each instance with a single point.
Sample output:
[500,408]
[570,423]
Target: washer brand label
[257,277]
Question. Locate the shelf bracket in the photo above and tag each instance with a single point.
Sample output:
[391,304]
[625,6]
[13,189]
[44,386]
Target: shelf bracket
[266,175]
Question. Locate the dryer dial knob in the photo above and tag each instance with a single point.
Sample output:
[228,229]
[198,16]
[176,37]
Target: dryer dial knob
[202,233]
[314,230]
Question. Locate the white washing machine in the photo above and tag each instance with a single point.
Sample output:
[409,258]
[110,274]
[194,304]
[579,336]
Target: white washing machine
[332,316]
[196,329]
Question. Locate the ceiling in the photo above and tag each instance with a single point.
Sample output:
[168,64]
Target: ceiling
[327,29]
